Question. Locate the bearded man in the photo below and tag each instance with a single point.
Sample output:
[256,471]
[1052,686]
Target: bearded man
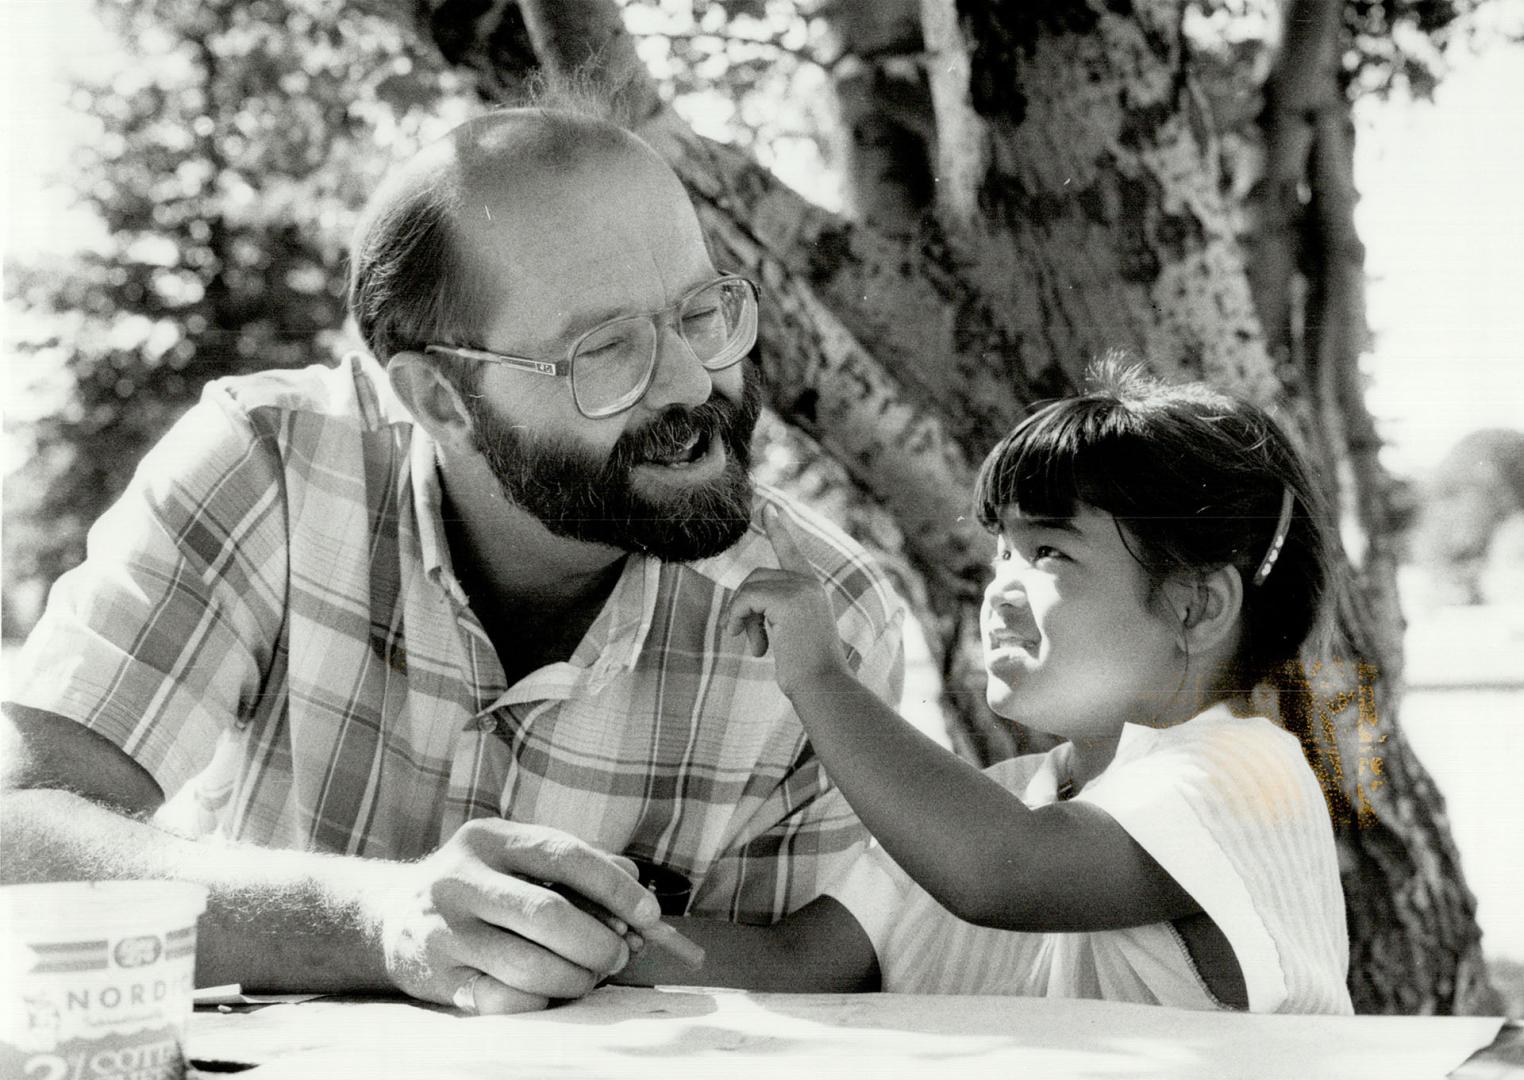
[379,652]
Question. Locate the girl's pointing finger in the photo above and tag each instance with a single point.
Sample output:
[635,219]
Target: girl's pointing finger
[785,545]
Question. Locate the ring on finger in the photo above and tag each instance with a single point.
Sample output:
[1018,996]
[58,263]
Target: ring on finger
[465,994]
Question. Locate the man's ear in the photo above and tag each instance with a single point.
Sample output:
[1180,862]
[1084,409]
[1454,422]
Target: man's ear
[433,400]
[1205,607]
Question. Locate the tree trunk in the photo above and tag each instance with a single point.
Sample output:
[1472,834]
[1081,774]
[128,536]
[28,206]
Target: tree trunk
[1409,908]
[887,131]
[1076,204]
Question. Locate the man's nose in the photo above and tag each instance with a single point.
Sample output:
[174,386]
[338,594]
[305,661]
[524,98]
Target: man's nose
[679,378]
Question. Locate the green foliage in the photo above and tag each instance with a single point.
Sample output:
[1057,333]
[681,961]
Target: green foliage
[234,150]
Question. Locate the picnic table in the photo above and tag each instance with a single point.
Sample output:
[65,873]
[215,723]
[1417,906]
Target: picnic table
[618,1032]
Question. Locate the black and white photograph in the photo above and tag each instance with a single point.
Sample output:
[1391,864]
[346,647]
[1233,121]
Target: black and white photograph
[621,539]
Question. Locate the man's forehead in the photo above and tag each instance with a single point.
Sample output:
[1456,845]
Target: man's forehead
[604,287]
[601,192]
[580,226]
[595,224]
[592,245]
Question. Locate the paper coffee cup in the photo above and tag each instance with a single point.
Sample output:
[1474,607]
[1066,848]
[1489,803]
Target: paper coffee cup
[96,979]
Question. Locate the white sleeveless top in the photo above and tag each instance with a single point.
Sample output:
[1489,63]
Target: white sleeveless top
[1232,811]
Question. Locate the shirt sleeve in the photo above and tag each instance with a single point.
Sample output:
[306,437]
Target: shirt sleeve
[160,639]
[874,890]
[878,892]
[881,663]
[1231,810]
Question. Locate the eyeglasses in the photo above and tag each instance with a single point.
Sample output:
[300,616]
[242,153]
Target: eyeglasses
[611,365]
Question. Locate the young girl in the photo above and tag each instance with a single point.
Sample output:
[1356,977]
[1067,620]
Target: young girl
[1159,553]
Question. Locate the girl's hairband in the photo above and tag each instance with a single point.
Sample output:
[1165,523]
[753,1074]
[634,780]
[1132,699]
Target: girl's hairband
[1278,541]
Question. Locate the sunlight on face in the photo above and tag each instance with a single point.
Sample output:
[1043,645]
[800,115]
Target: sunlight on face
[1073,646]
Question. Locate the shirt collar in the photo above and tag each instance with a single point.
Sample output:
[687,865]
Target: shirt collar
[428,508]
[612,644]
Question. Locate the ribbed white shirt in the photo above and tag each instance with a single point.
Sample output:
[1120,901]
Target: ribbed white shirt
[1227,805]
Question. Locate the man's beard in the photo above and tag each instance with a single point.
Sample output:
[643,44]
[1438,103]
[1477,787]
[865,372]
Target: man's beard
[575,495]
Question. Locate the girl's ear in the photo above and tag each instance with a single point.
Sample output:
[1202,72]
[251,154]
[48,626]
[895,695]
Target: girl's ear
[432,399]
[1206,608]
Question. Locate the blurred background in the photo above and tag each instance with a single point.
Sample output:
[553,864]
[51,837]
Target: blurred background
[148,144]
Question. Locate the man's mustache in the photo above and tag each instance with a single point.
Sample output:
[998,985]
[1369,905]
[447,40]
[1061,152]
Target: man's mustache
[675,428]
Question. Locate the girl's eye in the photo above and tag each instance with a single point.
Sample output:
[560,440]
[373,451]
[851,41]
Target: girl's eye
[1006,552]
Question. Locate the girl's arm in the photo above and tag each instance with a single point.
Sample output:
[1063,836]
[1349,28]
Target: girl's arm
[969,842]
[819,948]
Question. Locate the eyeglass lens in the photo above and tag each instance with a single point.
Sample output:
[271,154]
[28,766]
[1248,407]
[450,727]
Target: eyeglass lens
[613,363]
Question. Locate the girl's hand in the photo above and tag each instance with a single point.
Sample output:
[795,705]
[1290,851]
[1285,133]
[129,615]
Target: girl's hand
[786,612]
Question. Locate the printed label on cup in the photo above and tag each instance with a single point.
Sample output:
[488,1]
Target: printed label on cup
[98,986]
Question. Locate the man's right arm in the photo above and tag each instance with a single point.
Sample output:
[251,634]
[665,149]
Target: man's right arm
[154,645]
[76,807]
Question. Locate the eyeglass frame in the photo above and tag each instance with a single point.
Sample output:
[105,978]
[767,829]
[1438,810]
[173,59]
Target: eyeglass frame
[563,368]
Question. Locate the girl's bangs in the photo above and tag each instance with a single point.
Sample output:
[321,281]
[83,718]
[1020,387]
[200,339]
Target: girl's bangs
[1068,453]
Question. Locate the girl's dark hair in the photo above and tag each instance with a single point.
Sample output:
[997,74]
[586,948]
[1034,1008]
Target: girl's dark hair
[1196,477]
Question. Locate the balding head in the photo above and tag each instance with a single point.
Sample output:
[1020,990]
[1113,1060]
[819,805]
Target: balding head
[415,274]
[525,142]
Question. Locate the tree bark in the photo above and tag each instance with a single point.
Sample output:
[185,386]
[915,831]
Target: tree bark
[1409,908]
[887,131]
[1077,206]
[1076,182]
[1075,193]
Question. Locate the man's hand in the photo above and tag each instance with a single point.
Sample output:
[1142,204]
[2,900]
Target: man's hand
[478,928]
[786,612]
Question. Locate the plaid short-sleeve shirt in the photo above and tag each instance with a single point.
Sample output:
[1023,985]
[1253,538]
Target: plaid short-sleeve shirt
[267,621]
